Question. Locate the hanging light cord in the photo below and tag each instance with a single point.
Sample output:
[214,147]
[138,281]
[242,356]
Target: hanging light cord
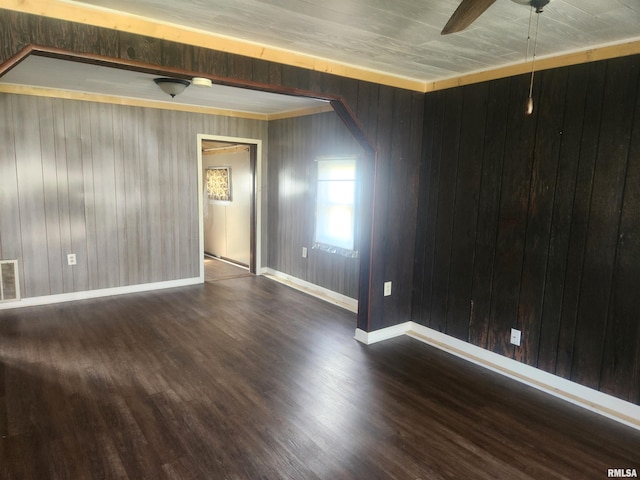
[533,62]
[526,55]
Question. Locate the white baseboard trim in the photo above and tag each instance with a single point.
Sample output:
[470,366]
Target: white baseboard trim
[103,292]
[317,291]
[585,397]
[376,336]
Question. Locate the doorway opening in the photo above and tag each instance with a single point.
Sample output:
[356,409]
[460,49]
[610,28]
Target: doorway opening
[229,178]
[125,73]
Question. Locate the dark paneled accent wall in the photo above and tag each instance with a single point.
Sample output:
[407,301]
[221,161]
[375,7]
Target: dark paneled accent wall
[115,185]
[294,144]
[391,117]
[533,222]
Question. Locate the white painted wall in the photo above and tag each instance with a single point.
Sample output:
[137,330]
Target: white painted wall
[227,225]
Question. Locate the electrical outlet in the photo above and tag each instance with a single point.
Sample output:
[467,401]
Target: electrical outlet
[71,259]
[515,337]
[304,252]
[387,289]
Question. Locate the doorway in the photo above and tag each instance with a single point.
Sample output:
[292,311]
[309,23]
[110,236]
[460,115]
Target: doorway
[229,172]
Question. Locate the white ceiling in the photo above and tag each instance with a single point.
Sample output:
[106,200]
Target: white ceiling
[44,72]
[399,37]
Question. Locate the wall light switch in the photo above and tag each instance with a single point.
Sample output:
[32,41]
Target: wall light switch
[304,252]
[71,259]
[515,337]
[387,289]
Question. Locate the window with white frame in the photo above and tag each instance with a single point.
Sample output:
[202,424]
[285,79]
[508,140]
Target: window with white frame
[335,205]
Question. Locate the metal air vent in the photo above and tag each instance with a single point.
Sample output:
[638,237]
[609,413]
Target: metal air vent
[9,284]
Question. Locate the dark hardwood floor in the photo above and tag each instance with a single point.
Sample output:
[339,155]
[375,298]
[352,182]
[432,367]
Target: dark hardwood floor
[248,379]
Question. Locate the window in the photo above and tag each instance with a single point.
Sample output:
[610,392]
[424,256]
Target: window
[335,205]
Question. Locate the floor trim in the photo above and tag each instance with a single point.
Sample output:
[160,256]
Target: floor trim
[593,400]
[317,291]
[103,292]
[376,336]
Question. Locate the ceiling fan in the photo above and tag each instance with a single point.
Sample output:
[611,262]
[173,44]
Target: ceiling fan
[469,10]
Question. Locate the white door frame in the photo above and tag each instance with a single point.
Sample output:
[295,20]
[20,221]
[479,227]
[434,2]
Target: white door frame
[257,194]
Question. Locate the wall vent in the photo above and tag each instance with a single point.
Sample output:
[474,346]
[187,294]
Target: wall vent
[9,284]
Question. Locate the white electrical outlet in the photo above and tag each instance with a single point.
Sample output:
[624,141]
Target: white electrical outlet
[515,337]
[71,259]
[304,252]
[387,289]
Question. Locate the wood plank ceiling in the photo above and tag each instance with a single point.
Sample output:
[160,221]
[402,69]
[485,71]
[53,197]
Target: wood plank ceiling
[401,37]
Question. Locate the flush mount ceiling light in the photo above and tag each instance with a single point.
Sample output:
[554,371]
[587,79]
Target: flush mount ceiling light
[201,82]
[172,86]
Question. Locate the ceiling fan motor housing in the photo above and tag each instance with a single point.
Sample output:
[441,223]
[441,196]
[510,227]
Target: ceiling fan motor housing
[539,4]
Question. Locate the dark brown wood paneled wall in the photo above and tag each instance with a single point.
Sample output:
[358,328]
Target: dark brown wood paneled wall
[391,117]
[294,144]
[532,222]
[115,185]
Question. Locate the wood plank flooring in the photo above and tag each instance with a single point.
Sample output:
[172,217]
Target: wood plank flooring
[215,269]
[248,379]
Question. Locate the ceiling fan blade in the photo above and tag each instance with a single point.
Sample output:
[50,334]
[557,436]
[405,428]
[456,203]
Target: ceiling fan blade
[465,15]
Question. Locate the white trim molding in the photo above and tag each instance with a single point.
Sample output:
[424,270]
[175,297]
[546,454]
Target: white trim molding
[585,397]
[102,292]
[376,336]
[317,291]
